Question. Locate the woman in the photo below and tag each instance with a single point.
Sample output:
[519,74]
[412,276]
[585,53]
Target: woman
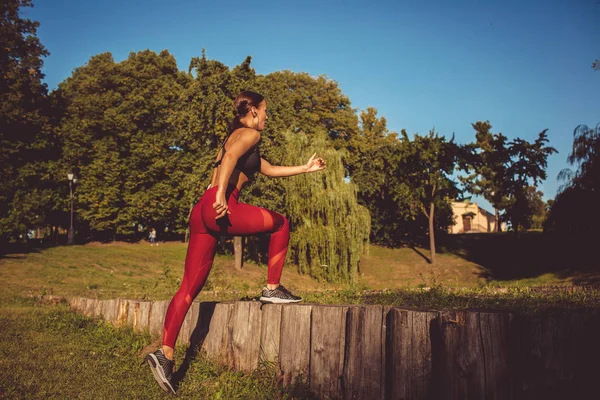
[219,212]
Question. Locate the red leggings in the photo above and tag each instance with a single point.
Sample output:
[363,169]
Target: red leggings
[204,228]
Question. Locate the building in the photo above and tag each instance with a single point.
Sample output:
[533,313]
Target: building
[469,217]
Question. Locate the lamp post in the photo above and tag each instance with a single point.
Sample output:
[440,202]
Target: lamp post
[71,234]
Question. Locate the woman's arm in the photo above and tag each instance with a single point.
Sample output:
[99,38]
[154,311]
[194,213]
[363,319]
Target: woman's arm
[280,171]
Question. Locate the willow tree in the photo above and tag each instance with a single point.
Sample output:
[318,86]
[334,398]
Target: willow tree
[330,230]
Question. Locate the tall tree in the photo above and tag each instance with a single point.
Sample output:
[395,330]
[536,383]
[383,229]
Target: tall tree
[425,170]
[118,134]
[26,140]
[372,156]
[500,170]
[527,168]
[486,161]
[575,210]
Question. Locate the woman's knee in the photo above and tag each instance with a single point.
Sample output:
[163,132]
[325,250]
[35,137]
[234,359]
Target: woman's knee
[281,223]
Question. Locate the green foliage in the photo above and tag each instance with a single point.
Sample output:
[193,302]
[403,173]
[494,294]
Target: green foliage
[424,180]
[372,158]
[330,230]
[575,210]
[502,170]
[119,137]
[28,196]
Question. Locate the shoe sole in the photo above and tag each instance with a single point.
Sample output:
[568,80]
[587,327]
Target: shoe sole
[276,300]
[159,376]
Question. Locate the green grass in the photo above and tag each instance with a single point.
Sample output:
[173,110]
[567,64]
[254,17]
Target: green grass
[140,271]
[521,300]
[51,352]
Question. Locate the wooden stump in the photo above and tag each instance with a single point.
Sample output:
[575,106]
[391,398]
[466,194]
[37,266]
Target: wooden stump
[156,320]
[122,312]
[132,313]
[245,335]
[294,349]
[201,325]
[270,333]
[556,356]
[409,366]
[328,335]
[217,344]
[472,356]
[363,360]
[189,323]
[109,310]
[143,315]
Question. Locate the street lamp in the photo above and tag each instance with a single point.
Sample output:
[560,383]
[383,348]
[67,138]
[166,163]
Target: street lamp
[71,234]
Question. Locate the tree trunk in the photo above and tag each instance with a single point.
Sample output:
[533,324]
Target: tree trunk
[431,233]
[497,213]
[238,251]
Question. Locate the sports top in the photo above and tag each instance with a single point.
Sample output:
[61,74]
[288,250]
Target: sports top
[248,163]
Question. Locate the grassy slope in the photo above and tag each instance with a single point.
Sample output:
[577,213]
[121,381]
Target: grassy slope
[141,271]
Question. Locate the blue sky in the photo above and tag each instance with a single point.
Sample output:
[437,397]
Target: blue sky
[522,65]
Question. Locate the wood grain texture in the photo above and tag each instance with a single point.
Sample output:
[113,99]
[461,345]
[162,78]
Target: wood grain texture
[363,359]
[245,335]
[294,353]
[474,363]
[409,365]
[270,333]
[217,344]
[328,337]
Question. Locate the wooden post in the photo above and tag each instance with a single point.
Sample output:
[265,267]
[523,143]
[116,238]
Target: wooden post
[327,345]
[143,315]
[472,357]
[556,356]
[238,251]
[363,369]
[409,366]
[294,350]
[270,333]
[245,335]
[189,323]
[156,320]
[217,344]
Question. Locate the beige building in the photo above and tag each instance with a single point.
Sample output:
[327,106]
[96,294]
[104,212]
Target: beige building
[469,217]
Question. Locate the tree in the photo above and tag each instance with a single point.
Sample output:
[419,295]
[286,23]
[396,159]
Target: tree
[424,172]
[27,144]
[501,170]
[330,230]
[372,157]
[575,209]
[486,161]
[118,134]
[527,167]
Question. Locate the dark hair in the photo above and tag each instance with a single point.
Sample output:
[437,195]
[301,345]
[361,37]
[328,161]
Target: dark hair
[242,105]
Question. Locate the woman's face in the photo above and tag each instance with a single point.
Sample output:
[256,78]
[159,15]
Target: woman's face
[261,115]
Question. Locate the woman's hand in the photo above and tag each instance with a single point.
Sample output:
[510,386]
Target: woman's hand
[220,205]
[313,164]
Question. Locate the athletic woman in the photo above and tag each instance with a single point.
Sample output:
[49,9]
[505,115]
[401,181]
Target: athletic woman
[219,212]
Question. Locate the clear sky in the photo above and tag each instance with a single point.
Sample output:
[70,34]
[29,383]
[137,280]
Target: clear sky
[523,65]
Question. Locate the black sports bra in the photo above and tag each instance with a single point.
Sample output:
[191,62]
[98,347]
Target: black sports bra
[249,163]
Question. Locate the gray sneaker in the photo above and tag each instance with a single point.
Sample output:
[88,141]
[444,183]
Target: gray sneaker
[162,369]
[279,295]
